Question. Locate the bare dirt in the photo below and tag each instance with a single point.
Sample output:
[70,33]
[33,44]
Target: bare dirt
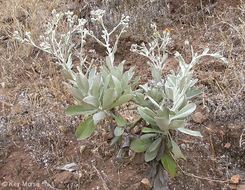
[37,138]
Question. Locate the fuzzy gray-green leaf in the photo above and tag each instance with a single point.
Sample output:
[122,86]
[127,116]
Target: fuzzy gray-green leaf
[92,101]
[147,115]
[117,84]
[150,130]
[190,132]
[85,129]
[99,116]
[176,151]
[169,164]
[162,123]
[118,131]
[148,136]
[120,121]
[79,110]
[82,83]
[175,124]
[76,93]
[92,74]
[136,80]
[193,92]
[185,111]
[115,140]
[156,74]
[151,155]
[109,97]
[109,61]
[96,86]
[155,145]
[140,145]
[123,99]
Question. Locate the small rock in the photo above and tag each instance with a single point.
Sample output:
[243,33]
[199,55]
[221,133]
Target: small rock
[81,149]
[62,129]
[198,117]
[183,146]
[220,173]
[227,145]
[146,183]
[62,178]
[235,179]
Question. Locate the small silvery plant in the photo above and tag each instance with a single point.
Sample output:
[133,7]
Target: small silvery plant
[163,103]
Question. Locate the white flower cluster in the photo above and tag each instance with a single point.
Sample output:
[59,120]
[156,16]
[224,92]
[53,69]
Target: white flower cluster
[56,43]
[59,43]
[155,51]
[123,25]
[98,15]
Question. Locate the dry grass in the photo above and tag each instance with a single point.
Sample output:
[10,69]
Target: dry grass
[228,98]
[31,85]
[33,98]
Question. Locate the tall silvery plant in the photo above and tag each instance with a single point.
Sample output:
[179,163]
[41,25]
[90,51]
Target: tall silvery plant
[98,91]
[165,103]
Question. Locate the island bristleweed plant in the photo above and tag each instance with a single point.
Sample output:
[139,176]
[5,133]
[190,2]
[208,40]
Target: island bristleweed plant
[163,103]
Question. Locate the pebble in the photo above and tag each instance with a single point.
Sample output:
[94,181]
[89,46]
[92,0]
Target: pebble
[198,117]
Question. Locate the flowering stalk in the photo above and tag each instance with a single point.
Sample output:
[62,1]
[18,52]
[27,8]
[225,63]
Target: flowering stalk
[57,44]
[97,16]
[155,52]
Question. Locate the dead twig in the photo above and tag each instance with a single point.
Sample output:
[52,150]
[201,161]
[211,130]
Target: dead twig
[200,177]
[241,139]
[101,178]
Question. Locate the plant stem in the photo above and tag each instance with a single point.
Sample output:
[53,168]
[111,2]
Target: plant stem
[134,124]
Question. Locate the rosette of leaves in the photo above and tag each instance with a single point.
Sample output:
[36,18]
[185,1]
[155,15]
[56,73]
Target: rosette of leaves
[165,105]
[97,94]
[165,109]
